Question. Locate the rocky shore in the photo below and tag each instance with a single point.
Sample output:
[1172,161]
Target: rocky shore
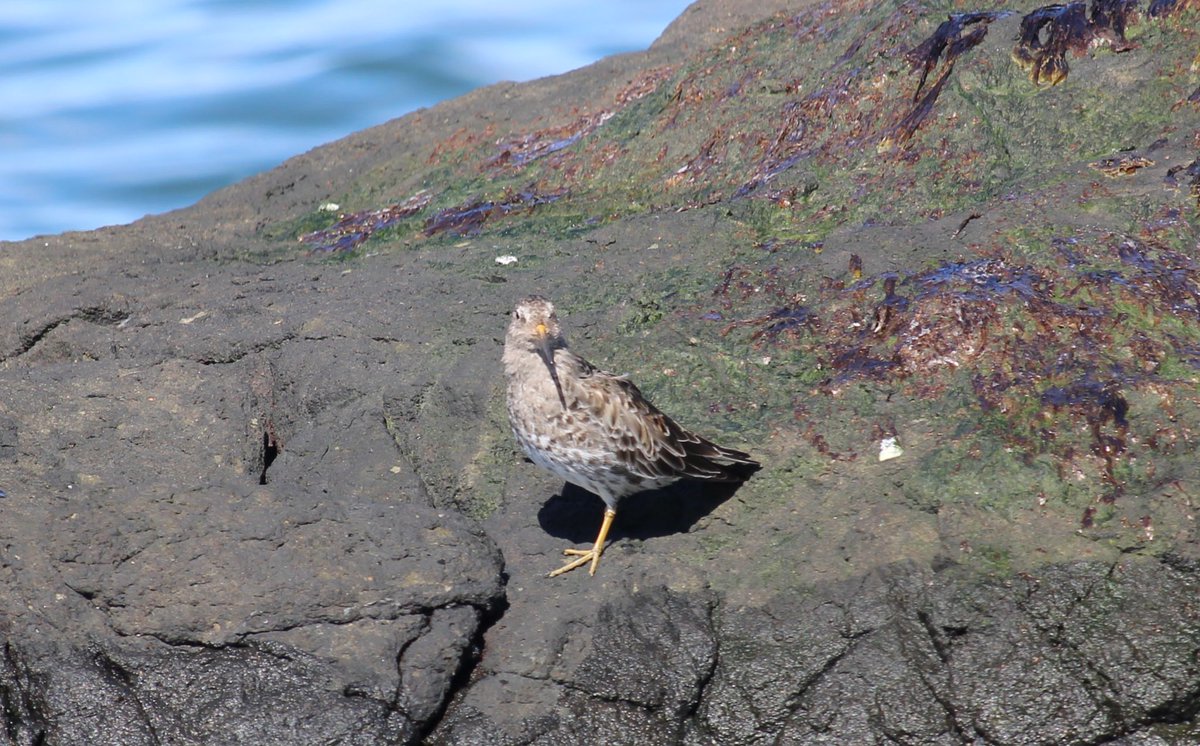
[257,485]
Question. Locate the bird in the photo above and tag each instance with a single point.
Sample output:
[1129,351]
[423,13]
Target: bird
[595,429]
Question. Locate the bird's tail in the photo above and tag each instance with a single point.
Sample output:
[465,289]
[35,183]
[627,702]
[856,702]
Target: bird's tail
[707,460]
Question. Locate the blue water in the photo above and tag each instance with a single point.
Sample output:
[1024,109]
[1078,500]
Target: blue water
[117,109]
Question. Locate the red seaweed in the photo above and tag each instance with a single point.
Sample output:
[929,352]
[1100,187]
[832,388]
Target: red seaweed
[352,230]
[470,218]
[955,36]
[1049,32]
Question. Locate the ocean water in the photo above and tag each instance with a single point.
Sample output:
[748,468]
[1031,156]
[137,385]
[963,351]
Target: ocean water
[115,110]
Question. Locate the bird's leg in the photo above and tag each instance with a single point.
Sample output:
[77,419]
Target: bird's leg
[583,556]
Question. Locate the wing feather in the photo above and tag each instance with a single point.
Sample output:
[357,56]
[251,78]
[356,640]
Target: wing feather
[648,442]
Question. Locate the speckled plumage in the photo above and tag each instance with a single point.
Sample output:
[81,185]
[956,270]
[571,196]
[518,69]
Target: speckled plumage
[595,429]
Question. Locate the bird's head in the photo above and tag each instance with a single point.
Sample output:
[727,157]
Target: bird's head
[534,320]
[534,327]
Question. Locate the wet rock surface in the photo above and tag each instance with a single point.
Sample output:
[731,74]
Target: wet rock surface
[256,483]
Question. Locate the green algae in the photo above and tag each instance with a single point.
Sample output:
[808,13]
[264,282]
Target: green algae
[744,118]
[480,491]
[998,358]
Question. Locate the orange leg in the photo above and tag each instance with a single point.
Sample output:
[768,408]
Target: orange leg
[583,556]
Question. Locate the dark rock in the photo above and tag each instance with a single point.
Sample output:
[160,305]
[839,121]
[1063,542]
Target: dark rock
[169,580]
[1082,653]
[634,670]
[905,655]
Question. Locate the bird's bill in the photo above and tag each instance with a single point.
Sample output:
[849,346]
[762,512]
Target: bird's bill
[541,340]
[545,350]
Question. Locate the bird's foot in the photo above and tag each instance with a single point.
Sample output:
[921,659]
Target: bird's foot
[582,557]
